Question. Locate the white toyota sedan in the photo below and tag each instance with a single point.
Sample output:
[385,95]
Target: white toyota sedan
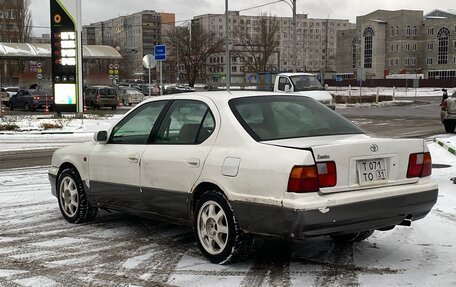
[235,165]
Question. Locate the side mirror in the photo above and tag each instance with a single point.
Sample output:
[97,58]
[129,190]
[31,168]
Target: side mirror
[288,88]
[101,136]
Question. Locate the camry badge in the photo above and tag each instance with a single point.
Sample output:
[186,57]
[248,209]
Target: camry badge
[374,148]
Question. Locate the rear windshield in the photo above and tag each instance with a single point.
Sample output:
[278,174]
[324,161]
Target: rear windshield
[105,92]
[284,117]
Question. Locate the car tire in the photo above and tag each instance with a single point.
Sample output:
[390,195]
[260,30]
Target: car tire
[449,126]
[216,229]
[352,237]
[73,202]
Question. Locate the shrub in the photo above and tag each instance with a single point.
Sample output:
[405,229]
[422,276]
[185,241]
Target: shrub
[8,127]
[50,126]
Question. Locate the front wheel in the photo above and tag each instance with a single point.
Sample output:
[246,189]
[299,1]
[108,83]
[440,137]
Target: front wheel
[73,202]
[216,229]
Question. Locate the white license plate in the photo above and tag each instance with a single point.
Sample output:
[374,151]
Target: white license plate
[372,171]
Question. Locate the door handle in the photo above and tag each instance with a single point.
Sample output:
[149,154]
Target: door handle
[133,158]
[193,162]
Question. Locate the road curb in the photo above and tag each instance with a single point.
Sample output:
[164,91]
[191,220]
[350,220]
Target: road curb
[446,146]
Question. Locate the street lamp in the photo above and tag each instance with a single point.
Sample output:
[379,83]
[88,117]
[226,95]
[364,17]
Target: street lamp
[292,5]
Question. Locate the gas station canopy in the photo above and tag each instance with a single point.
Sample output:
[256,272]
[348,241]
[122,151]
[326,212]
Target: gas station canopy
[25,50]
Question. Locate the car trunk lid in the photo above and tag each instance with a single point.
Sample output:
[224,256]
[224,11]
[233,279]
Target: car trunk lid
[361,161]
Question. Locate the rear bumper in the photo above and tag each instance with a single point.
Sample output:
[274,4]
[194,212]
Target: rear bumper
[347,218]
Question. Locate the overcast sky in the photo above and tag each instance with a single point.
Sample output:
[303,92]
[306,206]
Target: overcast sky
[99,10]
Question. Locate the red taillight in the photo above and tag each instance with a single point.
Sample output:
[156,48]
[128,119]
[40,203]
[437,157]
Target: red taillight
[36,98]
[420,165]
[312,178]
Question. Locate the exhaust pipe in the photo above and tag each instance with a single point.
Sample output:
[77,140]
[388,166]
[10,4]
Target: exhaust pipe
[407,221]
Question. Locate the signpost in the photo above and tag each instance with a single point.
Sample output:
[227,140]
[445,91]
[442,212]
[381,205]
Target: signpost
[149,63]
[160,56]
[66,41]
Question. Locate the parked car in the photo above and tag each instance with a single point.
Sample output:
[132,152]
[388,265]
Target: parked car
[31,100]
[177,90]
[129,96]
[4,97]
[100,96]
[448,113]
[12,90]
[238,164]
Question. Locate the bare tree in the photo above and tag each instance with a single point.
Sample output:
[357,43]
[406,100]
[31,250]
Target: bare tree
[25,27]
[258,46]
[195,45]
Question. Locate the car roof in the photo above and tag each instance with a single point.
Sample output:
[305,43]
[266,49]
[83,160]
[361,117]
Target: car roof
[295,74]
[220,97]
[99,87]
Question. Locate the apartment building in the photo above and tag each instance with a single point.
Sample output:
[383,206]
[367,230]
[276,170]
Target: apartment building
[11,20]
[316,43]
[133,36]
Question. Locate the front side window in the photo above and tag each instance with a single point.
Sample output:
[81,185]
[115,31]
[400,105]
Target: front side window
[187,122]
[283,81]
[137,126]
[283,117]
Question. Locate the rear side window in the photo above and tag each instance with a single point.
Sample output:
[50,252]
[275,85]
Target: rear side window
[187,122]
[283,117]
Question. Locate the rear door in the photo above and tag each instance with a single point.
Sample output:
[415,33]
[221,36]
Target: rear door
[173,163]
[114,168]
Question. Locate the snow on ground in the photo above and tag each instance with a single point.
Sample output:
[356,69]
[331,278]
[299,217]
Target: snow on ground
[386,91]
[38,248]
[31,135]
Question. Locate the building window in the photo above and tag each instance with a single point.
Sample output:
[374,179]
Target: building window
[368,46]
[430,31]
[392,31]
[407,61]
[397,30]
[443,36]
[414,46]
[414,31]
[391,62]
[428,61]
[354,54]
[408,31]
[430,46]
[396,62]
[407,47]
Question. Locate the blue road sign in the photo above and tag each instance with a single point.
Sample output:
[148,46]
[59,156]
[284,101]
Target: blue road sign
[160,52]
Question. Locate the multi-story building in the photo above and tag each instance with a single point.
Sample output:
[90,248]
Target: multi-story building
[316,43]
[133,36]
[399,42]
[12,21]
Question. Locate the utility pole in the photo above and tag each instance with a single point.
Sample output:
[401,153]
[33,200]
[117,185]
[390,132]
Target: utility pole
[227,48]
[295,45]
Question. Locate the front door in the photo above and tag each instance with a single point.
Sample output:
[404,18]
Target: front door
[114,167]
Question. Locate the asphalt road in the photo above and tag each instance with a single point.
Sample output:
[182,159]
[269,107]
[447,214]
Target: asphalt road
[419,120]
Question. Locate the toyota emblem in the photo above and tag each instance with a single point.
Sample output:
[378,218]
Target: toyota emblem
[374,148]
